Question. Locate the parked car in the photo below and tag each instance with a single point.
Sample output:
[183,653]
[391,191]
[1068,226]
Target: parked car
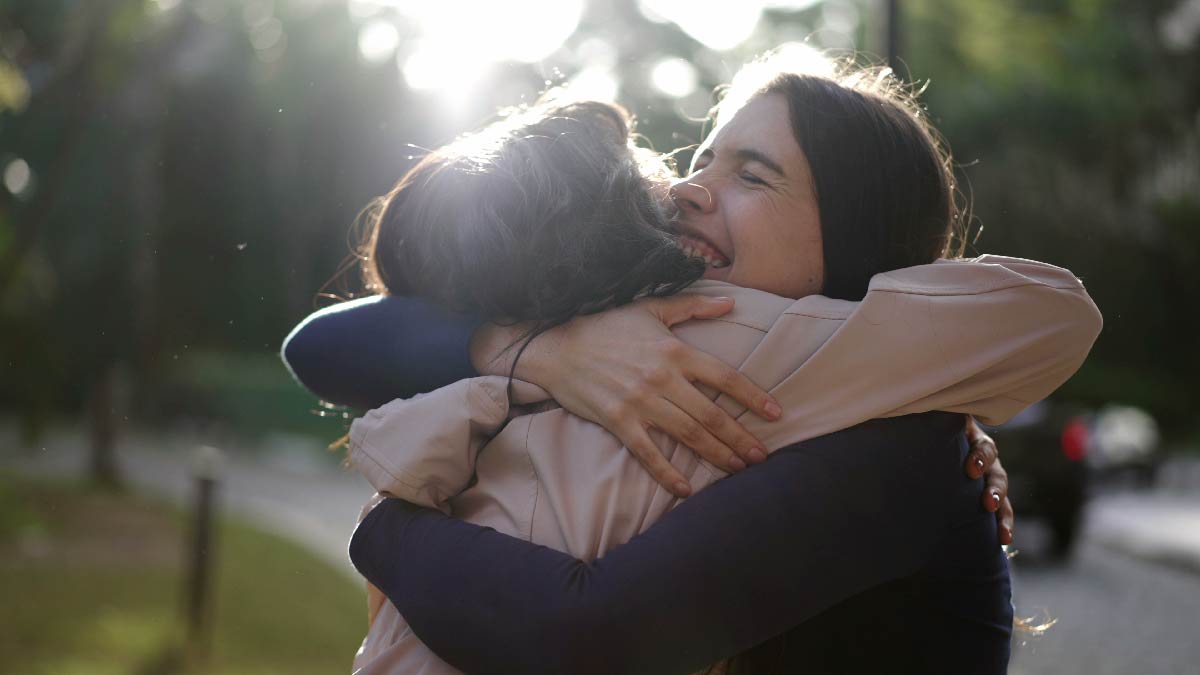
[1053,452]
[1044,450]
[1125,442]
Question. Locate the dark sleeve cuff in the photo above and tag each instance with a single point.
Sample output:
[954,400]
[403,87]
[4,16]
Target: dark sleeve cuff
[366,352]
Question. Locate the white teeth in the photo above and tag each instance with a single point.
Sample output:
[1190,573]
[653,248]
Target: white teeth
[709,261]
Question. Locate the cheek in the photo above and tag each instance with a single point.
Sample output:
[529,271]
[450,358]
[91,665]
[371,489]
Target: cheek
[769,262]
[796,259]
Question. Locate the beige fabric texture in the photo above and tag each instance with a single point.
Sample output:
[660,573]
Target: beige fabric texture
[985,337]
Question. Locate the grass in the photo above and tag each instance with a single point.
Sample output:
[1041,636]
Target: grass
[91,582]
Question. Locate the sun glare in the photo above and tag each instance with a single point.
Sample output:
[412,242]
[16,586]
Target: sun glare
[800,57]
[674,77]
[377,40]
[718,24]
[594,83]
[483,32]
[436,65]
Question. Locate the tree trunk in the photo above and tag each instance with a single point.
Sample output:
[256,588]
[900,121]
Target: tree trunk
[102,427]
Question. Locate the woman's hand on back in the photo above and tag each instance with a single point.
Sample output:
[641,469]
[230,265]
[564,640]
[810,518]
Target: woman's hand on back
[624,370]
[984,461]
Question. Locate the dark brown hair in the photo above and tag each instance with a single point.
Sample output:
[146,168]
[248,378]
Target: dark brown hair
[883,178]
[543,215]
[884,183]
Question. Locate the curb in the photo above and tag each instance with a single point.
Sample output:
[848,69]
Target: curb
[1159,527]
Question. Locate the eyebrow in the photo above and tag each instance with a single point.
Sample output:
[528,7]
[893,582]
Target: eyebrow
[747,155]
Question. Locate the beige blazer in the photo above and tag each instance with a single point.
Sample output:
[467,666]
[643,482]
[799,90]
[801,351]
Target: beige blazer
[986,337]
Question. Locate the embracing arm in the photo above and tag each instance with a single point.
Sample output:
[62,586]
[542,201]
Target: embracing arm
[746,559]
[366,352]
[986,338]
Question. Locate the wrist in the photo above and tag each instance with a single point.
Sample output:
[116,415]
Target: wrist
[493,349]
[482,348]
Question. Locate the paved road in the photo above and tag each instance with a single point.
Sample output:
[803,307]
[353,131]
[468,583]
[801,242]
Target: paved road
[1117,615]
[1128,601]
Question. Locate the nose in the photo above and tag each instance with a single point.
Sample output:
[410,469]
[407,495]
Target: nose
[690,194]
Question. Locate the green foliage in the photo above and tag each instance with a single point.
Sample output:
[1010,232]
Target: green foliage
[1078,127]
[92,584]
[193,194]
[247,393]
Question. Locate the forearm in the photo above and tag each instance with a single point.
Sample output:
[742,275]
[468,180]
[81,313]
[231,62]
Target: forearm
[744,560]
[367,352]
[966,337]
[495,348]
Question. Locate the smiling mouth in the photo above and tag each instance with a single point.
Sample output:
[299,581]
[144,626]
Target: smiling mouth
[694,247]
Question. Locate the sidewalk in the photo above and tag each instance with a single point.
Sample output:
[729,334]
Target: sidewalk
[295,494]
[1162,524]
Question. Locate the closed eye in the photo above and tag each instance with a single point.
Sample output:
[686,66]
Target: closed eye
[751,178]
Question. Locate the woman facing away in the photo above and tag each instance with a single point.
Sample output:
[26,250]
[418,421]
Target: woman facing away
[1036,324]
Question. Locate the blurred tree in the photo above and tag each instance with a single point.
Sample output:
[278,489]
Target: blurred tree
[1080,122]
[194,166]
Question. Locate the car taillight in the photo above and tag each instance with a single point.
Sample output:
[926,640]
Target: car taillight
[1075,440]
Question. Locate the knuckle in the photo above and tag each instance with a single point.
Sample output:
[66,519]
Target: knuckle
[616,410]
[691,433]
[673,350]
[640,450]
[728,379]
[640,393]
[658,376]
[713,418]
[653,461]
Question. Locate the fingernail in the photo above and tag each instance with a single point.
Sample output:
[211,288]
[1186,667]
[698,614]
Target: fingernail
[979,463]
[736,463]
[772,409]
[996,498]
[682,489]
[756,455]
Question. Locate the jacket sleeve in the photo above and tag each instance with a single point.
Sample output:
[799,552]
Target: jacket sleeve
[423,449]
[366,352]
[746,559]
[986,338]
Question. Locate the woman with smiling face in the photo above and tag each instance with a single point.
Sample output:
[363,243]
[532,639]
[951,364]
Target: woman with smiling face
[804,547]
[749,201]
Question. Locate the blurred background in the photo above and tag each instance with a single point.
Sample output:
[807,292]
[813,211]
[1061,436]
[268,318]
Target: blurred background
[178,180]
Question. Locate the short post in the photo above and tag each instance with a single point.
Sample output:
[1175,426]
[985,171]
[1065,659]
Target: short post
[206,469]
[892,36]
